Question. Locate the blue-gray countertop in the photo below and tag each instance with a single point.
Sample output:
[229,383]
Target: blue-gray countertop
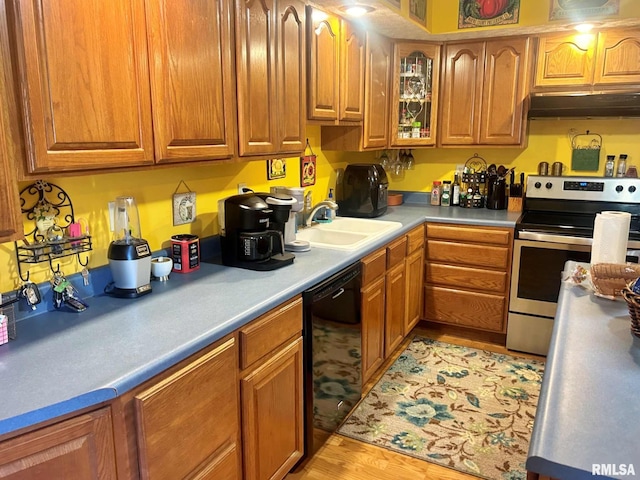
[589,408]
[61,361]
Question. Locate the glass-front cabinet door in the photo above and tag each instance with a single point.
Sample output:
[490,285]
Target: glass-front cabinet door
[415,94]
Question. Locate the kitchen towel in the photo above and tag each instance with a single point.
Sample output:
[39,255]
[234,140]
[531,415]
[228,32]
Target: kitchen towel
[610,237]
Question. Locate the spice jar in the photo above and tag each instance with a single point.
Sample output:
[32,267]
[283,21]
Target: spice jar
[445,198]
[435,193]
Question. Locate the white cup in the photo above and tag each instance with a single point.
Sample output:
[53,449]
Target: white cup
[161,268]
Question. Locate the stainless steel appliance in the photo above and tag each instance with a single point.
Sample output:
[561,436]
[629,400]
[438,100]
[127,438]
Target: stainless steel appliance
[557,226]
[252,230]
[332,352]
[129,255]
[362,191]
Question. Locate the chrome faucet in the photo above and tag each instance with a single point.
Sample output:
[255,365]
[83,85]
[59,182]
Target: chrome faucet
[324,204]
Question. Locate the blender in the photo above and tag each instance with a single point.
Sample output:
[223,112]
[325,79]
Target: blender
[129,255]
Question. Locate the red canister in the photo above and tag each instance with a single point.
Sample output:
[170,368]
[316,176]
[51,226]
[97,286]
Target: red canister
[186,253]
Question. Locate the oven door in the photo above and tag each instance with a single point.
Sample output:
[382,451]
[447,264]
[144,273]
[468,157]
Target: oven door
[537,268]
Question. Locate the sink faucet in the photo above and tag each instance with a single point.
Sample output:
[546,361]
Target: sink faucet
[324,204]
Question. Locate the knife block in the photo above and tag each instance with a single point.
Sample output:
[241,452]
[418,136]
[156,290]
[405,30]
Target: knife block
[515,204]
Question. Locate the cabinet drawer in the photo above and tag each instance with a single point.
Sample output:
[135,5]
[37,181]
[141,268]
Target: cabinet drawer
[466,254]
[495,236]
[469,309]
[269,331]
[467,278]
[396,252]
[415,239]
[374,266]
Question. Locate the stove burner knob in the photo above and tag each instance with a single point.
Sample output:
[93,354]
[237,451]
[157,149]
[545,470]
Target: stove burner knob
[619,188]
[632,189]
[537,185]
[549,185]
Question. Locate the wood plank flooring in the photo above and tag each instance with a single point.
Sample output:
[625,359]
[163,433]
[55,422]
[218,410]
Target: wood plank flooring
[342,458]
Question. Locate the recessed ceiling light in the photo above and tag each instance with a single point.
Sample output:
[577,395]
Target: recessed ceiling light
[584,27]
[357,10]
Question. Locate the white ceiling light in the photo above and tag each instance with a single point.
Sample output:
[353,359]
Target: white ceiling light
[584,27]
[357,10]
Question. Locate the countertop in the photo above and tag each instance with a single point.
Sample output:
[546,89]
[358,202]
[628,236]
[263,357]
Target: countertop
[589,408]
[62,361]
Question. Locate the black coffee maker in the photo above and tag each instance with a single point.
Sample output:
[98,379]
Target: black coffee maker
[252,230]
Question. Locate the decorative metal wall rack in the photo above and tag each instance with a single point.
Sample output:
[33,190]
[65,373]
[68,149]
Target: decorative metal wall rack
[50,210]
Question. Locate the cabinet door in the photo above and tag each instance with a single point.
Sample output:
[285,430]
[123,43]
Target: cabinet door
[462,94]
[415,94]
[617,58]
[395,288]
[324,65]
[504,92]
[565,60]
[81,447]
[352,72]
[290,120]
[85,78]
[193,101]
[414,289]
[272,421]
[373,313]
[202,402]
[256,76]
[10,217]
[376,91]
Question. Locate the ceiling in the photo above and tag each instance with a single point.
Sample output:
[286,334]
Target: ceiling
[393,25]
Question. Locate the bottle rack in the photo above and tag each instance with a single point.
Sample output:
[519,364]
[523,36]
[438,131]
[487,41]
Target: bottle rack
[474,177]
[36,247]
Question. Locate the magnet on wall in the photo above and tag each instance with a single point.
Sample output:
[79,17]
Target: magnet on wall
[276,168]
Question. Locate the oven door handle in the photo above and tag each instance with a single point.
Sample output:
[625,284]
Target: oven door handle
[548,237]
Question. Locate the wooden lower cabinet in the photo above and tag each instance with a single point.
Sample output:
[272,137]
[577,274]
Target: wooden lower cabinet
[81,447]
[414,290]
[467,271]
[395,285]
[372,301]
[188,423]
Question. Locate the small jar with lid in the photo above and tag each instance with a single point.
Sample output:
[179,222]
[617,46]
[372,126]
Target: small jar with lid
[435,192]
[415,129]
[445,198]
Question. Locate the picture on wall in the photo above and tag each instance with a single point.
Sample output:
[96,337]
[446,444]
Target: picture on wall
[579,9]
[487,13]
[418,11]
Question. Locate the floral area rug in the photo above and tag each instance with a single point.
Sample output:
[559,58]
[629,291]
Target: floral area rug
[462,408]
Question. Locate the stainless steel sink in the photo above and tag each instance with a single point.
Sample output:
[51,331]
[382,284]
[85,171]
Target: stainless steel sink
[345,233]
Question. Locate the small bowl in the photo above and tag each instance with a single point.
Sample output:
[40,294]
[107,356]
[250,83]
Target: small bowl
[394,199]
[161,268]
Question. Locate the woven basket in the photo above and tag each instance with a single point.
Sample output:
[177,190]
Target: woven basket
[609,279]
[633,302]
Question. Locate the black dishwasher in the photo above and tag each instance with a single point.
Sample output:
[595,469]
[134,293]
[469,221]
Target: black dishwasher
[332,352]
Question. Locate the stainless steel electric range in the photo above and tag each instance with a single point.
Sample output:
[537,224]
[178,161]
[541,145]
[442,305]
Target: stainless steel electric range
[557,226]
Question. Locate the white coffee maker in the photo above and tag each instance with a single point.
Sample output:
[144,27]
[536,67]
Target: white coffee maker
[291,244]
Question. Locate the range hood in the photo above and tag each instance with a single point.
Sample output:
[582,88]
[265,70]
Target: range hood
[585,105]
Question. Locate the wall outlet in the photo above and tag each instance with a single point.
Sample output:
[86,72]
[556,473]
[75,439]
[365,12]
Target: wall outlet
[241,186]
[112,215]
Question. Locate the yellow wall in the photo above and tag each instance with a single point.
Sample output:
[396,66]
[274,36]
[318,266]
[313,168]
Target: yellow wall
[153,192]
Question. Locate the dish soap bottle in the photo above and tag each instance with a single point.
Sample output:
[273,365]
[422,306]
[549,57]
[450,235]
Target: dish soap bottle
[331,214]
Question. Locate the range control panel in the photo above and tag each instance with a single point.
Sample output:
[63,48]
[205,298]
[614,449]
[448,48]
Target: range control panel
[584,188]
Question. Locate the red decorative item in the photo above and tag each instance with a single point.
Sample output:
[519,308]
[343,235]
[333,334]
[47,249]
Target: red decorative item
[308,167]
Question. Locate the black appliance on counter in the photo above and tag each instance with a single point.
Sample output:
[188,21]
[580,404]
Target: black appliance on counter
[332,332]
[496,192]
[363,191]
[556,226]
[252,230]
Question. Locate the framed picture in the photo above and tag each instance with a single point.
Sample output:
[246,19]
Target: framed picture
[276,168]
[487,13]
[307,170]
[579,9]
[418,11]
[184,208]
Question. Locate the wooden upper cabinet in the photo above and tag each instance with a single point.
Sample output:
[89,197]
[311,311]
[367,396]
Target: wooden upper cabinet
[86,102]
[193,101]
[270,51]
[290,116]
[565,60]
[377,89]
[352,68]
[323,66]
[617,57]
[461,93]
[502,117]
[484,92]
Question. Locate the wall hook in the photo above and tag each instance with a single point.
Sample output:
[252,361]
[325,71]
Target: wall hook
[86,262]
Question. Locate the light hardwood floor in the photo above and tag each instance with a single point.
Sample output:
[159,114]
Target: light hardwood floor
[342,458]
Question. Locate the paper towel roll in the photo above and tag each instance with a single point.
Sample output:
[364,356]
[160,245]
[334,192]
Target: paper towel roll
[610,237]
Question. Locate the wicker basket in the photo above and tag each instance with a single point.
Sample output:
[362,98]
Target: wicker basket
[609,279]
[633,302]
